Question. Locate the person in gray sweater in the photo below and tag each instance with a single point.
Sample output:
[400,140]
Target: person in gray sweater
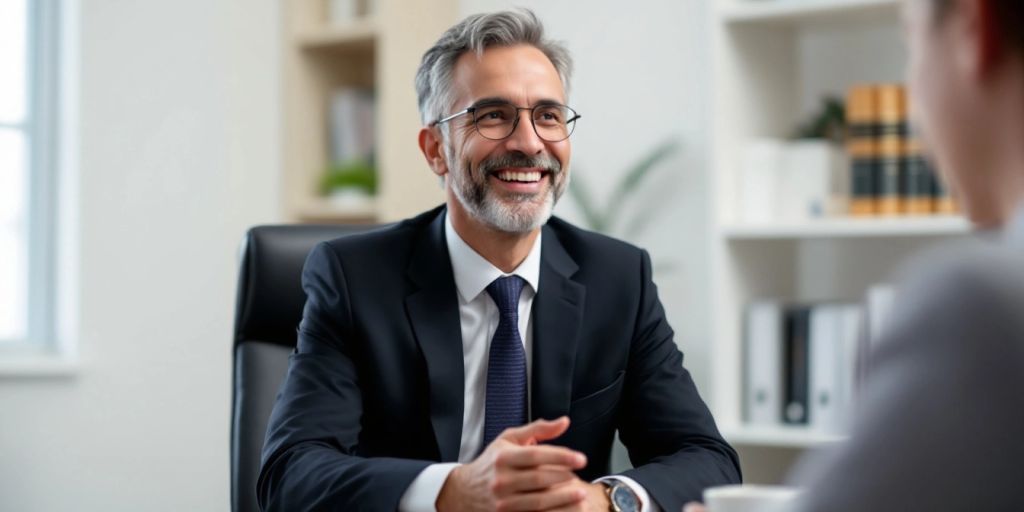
[942,414]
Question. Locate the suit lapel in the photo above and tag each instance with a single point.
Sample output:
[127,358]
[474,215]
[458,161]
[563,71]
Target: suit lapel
[433,311]
[557,315]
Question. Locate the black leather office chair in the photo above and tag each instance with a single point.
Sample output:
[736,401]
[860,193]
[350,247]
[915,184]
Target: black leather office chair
[269,308]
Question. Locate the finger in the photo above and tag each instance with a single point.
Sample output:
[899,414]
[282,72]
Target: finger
[693,506]
[532,456]
[538,430]
[554,498]
[532,480]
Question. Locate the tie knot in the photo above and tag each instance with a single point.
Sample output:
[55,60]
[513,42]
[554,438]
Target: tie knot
[505,292]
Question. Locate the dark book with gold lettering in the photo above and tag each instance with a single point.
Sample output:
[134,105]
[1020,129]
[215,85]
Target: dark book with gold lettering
[861,145]
[917,181]
[891,146]
[942,202]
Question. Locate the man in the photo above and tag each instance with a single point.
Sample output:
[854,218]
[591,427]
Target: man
[426,348]
[942,415]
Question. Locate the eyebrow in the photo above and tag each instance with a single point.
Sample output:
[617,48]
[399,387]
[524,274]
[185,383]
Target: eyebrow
[491,100]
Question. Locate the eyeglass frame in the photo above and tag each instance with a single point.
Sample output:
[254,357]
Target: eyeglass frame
[515,124]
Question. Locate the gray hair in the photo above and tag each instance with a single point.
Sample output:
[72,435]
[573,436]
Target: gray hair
[477,33]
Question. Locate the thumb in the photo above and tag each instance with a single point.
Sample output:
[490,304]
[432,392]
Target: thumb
[539,430]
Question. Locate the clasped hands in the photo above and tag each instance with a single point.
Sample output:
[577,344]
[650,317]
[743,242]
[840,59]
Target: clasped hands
[515,473]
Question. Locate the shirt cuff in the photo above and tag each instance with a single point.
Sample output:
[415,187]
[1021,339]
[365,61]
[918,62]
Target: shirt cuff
[421,495]
[646,504]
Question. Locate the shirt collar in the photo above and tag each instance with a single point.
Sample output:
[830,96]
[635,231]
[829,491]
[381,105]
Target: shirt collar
[473,272]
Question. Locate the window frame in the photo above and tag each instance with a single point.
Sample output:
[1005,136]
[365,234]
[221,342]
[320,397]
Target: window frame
[39,127]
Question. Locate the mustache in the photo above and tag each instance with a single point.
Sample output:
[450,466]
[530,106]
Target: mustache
[507,160]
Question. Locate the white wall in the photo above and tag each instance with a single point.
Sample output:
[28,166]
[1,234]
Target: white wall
[643,76]
[178,155]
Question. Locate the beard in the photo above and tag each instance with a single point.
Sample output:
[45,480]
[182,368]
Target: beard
[508,213]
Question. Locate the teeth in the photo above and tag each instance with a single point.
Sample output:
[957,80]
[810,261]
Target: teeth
[528,177]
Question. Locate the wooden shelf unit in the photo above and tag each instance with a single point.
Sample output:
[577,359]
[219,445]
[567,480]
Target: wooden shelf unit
[381,53]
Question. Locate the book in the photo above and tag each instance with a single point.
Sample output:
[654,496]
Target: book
[833,365]
[762,363]
[878,303]
[918,188]
[890,147]
[942,201]
[796,366]
[352,126]
[862,123]
[851,323]
[825,364]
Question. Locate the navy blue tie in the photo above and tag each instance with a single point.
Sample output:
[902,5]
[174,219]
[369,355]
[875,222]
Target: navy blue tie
[506,365]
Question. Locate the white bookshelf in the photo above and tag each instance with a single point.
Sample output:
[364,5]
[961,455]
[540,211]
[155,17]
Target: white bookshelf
[793,12]
[772,61]
[782,436]
[939,225]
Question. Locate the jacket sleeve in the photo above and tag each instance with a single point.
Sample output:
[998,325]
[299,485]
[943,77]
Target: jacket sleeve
[309,457]
[666,427]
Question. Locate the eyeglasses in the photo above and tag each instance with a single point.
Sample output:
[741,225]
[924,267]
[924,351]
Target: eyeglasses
[498,120]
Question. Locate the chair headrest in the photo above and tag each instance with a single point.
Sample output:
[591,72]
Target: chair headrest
[270,298]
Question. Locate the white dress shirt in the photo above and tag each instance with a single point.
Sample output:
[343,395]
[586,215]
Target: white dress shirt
[479,319]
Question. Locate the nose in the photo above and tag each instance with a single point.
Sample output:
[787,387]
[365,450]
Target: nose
[524,138]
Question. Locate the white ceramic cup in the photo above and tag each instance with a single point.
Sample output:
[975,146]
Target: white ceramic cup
[750,498]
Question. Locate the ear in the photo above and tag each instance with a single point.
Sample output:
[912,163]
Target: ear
[982,44]
[433,150]
[992,41]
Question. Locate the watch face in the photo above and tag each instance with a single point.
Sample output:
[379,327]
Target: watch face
[624,499]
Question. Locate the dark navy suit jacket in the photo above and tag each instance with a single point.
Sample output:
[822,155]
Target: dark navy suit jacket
[374,391]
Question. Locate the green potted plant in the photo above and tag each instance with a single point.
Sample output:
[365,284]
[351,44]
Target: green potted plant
[351,184]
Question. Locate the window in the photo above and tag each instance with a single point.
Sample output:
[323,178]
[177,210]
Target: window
[27,156]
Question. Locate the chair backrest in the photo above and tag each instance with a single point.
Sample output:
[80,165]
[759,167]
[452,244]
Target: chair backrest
[268,311]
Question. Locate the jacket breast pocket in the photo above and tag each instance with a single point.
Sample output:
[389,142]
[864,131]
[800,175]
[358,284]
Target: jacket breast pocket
[597,404]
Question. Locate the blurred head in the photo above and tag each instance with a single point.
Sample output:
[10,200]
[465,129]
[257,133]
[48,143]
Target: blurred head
[966,78]
[510,184]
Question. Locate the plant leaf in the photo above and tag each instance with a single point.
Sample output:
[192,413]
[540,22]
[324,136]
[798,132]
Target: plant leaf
[581,194]
[636,174]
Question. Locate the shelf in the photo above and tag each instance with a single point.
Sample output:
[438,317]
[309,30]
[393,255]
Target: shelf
[849,228]
[798,12]
[354,35]
[779,437]
[323,210]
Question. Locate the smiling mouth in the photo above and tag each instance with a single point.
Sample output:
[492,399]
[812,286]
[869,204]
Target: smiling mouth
[519,176]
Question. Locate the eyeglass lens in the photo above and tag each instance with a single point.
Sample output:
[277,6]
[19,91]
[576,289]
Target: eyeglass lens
[552,123]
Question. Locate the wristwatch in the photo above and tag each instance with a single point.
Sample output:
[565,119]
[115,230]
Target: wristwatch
[621,497]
